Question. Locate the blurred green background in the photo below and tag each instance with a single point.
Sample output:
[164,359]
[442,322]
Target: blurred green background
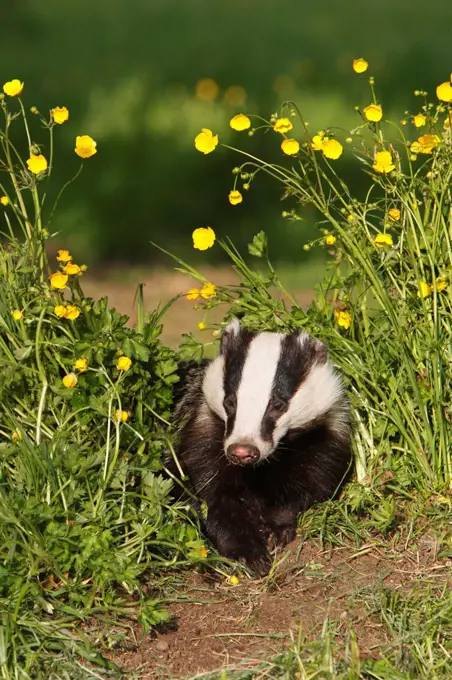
[129,73]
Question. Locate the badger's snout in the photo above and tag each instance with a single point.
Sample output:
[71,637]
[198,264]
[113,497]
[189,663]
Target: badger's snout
[243,454]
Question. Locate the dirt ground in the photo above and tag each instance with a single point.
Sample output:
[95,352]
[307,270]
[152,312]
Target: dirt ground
[160,286]
[216,624]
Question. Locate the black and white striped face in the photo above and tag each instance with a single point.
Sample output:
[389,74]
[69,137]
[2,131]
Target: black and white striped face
[264,385]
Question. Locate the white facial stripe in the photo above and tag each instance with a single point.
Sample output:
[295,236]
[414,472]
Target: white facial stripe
[255,389]
[316,395]
[213,387]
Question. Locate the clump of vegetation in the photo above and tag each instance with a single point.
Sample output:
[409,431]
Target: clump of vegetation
[85,516]
[384,307]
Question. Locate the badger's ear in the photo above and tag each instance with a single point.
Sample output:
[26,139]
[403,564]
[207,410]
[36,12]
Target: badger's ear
[230,335]
[317,349]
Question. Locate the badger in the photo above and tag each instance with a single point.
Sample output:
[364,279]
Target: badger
[264,434]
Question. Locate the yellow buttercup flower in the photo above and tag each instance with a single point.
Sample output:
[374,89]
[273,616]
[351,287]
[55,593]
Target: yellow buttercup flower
[360,65]
[121,416]
[37,163]
[18,315]
[60,311]
[282,125]
[63,256]
[373,112]
[383,162]
[343,318]
[124,363]
[59,114]
[4,200]
[81,365]
[424,289]
[208,291]
[71,269]
[16,436]
[203,238]
[317,142]
[419,120]
[382,240]
[240,122]
[235,197]
[13,88]
[440,284]
[85,146]
[330,239]
[290,147]
[233,580]
[332,148]
[193,294]
[70,380]
[203,551]
[394,214]
[444,92]
[425,144]
[201,325]
[206,142]
[72,312]
[58,280]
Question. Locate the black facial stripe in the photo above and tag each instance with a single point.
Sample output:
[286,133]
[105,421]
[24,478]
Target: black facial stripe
[234,360]
[294,365]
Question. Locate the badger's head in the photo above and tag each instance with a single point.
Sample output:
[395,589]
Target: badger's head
[266,385]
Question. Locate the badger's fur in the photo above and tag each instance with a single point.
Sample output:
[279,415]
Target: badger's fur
[265,433]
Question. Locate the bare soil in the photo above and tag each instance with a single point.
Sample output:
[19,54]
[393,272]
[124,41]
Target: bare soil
[215,624]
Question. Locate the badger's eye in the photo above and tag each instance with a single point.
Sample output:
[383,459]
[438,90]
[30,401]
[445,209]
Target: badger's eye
[230,403]
[277,405]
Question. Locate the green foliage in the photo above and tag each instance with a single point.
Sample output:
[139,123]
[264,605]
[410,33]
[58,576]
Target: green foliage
[85,514]
[384,308]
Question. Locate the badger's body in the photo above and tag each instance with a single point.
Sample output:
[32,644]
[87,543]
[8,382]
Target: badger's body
[265,433]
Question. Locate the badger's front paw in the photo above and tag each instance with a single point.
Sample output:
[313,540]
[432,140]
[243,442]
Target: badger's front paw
[280,536]
[256,557]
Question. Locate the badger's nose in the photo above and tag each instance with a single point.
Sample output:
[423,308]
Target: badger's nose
[243,454]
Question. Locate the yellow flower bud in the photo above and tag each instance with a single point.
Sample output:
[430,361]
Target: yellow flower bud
[18,315]
[121,416]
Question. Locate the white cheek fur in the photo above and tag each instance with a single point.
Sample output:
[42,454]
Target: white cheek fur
[213,387]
